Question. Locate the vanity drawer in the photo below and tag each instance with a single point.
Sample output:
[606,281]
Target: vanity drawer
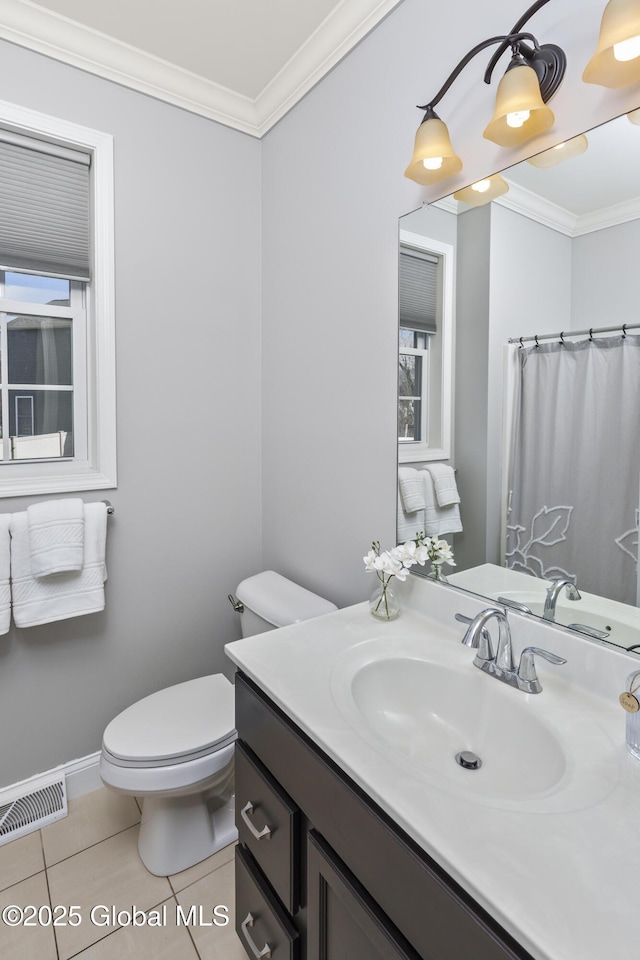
[268,824]
[262,925]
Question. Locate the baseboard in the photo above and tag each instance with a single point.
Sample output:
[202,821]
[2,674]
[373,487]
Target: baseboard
[82,776]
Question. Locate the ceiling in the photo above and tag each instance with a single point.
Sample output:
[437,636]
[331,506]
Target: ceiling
[244,63]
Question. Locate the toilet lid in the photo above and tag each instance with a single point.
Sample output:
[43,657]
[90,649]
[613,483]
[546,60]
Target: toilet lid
[188,718]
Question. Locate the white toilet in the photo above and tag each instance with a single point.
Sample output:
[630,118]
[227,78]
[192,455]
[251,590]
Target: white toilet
[175,748]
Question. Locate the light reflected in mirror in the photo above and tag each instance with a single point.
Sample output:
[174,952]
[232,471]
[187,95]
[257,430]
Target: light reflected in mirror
[545,438]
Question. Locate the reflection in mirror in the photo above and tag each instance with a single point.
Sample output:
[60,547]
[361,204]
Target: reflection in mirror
[425,303]
[546,433]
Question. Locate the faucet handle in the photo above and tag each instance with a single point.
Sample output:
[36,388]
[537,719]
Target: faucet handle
[481,642]
[514,605]
[527,676]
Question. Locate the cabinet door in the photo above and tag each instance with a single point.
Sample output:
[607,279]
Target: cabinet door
[267,822]
[343,922]
[264,929]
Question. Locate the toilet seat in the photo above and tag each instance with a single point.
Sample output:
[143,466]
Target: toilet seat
[176,725]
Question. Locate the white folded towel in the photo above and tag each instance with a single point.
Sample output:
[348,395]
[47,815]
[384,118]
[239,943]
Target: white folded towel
[444,483]
[60,595]
[5,573]
[438,520]
[411,489]
[56,536]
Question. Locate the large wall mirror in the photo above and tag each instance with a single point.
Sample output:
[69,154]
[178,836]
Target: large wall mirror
[539,332]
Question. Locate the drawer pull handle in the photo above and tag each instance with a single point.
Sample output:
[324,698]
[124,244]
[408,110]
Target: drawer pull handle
[258,834]
[263,954]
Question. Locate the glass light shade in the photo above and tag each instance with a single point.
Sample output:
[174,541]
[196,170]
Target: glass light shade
[634,116]
[620,23]
[484,191]
[432,143]
[519,94]
[560,153]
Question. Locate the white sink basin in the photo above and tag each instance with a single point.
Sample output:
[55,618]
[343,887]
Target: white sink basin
[418,710]
[622,624]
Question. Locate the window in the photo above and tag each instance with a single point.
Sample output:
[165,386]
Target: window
[425,348]
[418,312]
[57,358]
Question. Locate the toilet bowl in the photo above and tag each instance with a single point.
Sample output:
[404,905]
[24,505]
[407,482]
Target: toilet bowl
[175,748]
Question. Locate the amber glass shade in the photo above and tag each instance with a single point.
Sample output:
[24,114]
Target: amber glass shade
[620,25]
[518,94]
[432,145]
[560,153]
[634,117]
[484,191]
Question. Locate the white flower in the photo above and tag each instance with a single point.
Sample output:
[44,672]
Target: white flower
[369,560]
[397,561]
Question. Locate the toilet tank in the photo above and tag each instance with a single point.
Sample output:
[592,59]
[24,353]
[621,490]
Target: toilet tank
[270,601]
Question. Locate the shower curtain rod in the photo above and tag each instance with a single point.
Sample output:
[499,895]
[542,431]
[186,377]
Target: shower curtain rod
[575,333]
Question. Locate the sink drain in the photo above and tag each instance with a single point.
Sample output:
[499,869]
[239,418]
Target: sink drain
[468,760]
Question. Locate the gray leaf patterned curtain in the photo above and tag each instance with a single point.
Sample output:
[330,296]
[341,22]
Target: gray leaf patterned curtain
[576,471]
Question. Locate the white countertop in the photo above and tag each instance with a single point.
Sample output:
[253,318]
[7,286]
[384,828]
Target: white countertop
[562,878]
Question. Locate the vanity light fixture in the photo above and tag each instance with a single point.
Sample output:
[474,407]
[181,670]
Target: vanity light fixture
[561,152]
[533,76]
[616,62]
[634,116]
[484,191]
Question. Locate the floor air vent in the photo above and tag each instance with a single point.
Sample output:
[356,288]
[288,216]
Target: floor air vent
[33,810]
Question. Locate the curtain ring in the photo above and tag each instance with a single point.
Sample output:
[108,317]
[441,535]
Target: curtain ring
[624,331]
[590,334]
[521,344]
[562,337]
[536,340]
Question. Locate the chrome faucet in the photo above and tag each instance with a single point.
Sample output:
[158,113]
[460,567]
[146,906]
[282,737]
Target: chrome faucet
[501,666]
[554,592]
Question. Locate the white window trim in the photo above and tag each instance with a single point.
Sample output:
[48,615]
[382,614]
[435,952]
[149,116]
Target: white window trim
[98,471]
[417,451]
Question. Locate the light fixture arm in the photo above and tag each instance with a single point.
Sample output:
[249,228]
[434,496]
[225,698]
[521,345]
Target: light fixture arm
[516,27]
[506,40]
[548,61]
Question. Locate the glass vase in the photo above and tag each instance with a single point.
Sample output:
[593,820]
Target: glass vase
[436,573]
[384,603]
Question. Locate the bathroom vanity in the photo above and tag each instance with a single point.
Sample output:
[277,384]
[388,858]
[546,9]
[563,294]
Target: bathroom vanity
[344,874]
[354,843]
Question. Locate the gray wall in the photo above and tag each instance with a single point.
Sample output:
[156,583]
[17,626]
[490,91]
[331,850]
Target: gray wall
[471,382]
[330,179]
[605,277]
[187,522]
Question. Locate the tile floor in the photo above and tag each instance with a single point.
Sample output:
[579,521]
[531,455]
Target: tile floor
[90,860]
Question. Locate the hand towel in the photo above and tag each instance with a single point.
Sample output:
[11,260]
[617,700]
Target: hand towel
[5,571]
[411,489]
[438,520]
[409,523]
[56,536]
[61,595]
[444,483]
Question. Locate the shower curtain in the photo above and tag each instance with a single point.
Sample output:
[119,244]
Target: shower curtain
[576,467]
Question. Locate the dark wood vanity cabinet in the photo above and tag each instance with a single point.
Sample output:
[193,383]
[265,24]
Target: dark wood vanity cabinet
[334,878]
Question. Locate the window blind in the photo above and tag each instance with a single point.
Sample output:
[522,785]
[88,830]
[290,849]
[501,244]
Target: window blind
[418,290]
[44,208]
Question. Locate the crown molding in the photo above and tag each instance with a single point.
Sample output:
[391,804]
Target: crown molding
[29,25]
[537,208]
[552,215]
[608,217]
[336,36]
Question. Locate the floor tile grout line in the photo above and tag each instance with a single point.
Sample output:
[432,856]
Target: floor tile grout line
[46,880]
[50,866]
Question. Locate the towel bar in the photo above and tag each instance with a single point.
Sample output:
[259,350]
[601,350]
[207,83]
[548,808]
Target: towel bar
[110,508]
